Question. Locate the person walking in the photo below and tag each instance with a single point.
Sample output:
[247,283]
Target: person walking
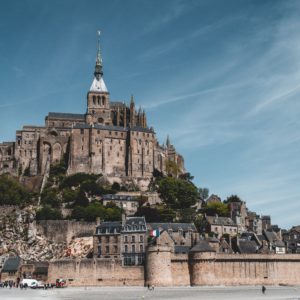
[263,289]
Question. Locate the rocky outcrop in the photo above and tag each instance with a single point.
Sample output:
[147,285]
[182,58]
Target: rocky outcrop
[19,235]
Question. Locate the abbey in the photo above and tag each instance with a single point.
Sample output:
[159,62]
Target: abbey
[111,138]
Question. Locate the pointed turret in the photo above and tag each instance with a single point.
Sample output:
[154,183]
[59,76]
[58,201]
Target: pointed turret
[98,107]
[168,141]
[98,84]
[132,112]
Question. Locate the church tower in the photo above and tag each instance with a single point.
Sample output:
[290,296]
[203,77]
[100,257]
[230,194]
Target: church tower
[98,108]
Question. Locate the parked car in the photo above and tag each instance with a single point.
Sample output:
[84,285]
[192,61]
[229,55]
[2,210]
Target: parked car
[60,283]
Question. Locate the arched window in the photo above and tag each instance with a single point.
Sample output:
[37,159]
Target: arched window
[103,100]
[94,100]
[98,99]
[126,249]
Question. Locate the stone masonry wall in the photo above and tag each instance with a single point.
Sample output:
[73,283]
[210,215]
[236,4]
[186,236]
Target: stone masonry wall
[62,231]
[247,269]
[100,272]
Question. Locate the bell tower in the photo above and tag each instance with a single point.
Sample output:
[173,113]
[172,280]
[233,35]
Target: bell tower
[98,108]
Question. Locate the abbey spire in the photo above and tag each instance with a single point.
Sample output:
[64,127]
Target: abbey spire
[98,84]
[98,67]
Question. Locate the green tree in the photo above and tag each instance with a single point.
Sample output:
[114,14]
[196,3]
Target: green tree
[218,208]
[172,168]
[178,193]
[204,193]
[81,199]
[69,195]
[233,198]
[50,197]
[12,192]
[48,213]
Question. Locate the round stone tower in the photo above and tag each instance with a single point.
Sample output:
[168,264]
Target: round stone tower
[158,266]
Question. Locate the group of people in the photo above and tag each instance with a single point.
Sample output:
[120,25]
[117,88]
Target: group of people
[8,284]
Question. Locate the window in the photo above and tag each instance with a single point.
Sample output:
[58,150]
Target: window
[141,248]
[107,249]
[126,239]
[98,131]
[133,248]
[141,238]
[117,154]
[107,239]
[133,239]
[126,248]
[116,133]
[94,100]
[81,131]
[115,249]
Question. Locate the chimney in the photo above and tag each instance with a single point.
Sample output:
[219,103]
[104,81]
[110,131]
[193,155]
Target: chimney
[123,219]
[98,221]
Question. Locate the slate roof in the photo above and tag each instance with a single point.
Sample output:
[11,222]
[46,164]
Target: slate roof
[98,126]
[116,103]
[41,267]
[12,264]
[181,249]
[271,236]
[202,246]
[56,115]
[109,228]
[173,226]
[246,246]
[215,220]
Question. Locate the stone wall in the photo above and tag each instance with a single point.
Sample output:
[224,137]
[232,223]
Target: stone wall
[247,269]
[62,231]
[100,272]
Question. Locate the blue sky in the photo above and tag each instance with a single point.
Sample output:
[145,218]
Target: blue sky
[221,77]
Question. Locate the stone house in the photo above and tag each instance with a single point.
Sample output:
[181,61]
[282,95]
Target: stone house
[219,226]
[183,234]
[128,203]
[292,239]
[126,240]
[254,222]
[36,270]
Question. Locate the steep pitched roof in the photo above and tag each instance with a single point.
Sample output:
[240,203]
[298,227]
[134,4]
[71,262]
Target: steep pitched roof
[172,226]
[220,220]
[98,85]
[202,246]
[56,115]
[109,227]
[246,246]
[12,264]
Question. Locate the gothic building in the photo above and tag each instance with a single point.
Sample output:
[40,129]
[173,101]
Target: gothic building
[111,138]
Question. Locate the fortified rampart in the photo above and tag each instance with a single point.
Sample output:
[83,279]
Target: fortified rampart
[248,269]
[62,231]
[92,272]
[165,268]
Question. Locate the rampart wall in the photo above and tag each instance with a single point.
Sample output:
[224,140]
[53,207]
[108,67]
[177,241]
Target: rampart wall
[247,269]
[62,231]
[92,272]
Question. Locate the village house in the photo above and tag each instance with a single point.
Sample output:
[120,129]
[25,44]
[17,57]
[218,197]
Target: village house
[292,239]
[183,234]
[126,240]
[219,226]
[128,203]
